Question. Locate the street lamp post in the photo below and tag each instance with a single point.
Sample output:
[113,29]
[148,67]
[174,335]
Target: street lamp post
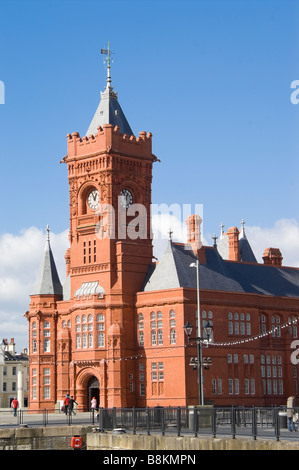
[208,331]
[188,330]
[199,356]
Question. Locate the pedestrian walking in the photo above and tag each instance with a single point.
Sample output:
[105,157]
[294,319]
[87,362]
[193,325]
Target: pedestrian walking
[290,413]
[71,405]
[66,403]
[14,405]
[94,403]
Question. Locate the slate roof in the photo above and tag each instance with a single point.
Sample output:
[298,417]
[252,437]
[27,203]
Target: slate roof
[246,253]
[174,271]
[15,357]
[47,281]
[109,111]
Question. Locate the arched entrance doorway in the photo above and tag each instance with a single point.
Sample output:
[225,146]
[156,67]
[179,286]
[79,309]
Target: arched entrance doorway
[93,390]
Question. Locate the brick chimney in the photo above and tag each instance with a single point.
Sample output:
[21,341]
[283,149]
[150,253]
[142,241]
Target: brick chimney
[193,223]
[233,244]
[272,256]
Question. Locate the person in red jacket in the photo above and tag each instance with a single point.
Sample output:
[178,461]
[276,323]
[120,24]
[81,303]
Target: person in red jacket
[14,405]
[66,402]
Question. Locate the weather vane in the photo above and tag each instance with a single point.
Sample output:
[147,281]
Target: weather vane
[108,61]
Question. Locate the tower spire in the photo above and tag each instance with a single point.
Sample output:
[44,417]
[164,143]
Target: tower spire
[48,233]
[109,110]
[47,282]
[108,62]
[243,229]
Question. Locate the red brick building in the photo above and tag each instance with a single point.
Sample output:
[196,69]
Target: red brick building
[115,328]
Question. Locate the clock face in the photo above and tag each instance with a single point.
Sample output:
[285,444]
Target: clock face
[93,199]
[126,198]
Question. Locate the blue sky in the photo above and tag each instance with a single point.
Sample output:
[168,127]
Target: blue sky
[209,78]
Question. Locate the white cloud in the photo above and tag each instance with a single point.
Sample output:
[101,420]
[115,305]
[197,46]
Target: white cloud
[20,257]
[284,235]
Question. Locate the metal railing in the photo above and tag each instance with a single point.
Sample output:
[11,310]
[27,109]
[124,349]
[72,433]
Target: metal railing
[213,421]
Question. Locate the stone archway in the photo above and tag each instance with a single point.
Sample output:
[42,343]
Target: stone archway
[93,390]
[87,382]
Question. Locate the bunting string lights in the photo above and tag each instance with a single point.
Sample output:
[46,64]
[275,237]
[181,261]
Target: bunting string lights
[251,338]
[157,352]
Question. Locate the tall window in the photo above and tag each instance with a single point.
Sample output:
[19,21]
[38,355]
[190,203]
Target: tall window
[157,376]
[78,332]
[84,331]
[34,335]
[34,384]
[140,330]
[239,324]
[172,327]
[94,251]
[217,386]
[142,379]
[205,318]
[100,330]
[46,382]
[262,324]
[46,330]
[46,344]
[153,329]
[275,321]
[293,330]
[272,374]
[156,328]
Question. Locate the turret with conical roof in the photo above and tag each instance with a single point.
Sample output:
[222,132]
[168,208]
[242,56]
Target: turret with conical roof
[47,281]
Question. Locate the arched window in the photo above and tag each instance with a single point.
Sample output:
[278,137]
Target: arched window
[140,330]
[100,317]
[276,332]
[172,327]
[262,324]
[156,328]
[207,318]
[293,330]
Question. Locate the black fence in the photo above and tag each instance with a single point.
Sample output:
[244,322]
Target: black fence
[232,421]
[255,422]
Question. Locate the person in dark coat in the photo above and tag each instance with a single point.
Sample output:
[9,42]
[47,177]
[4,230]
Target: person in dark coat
[71,405]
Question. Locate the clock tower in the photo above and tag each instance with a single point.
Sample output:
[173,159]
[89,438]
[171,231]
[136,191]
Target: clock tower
[94,326]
